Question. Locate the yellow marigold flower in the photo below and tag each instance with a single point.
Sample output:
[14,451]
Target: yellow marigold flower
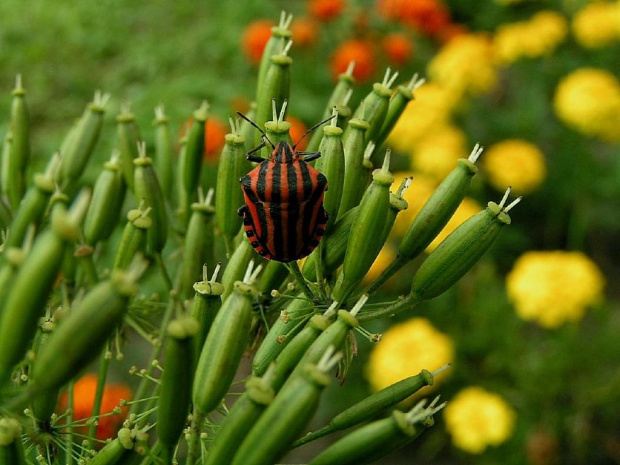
[477,419]
[588,100]
[533,38]
[597,24]
[432,107]
[516,163]
[554,287]
[406,349]
[467,209]
[436,154]
[465,64]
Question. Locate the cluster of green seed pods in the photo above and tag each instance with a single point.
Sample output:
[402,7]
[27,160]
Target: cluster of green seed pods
[84,255]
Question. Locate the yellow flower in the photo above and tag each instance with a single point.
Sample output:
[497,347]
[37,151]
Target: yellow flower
[588,100]
[432,107]
[477,419]
[465,64]
[554,287]
[406,349]
[516,163]
[597,24]
[436,154]
[536,37]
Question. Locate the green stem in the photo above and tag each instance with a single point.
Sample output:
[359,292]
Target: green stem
[403,304]
[319,270]
[319,433]
[69,420]
[88,265]
[299,277]
[194,437]
[104,363]
[164,271]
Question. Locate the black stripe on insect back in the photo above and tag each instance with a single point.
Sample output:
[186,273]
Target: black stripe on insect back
[275,208]
[261,182]
[292,206]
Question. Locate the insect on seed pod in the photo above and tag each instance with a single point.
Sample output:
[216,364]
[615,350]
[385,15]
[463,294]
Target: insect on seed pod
[283,215]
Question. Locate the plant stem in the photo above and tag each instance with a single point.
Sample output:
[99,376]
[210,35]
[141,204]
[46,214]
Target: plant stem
[296,272]
[104,363]
[69,420]
[403,304]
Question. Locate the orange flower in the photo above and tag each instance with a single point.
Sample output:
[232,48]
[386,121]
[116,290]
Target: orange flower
[326,10]
[254,39]
[360,51]
[398,48]
[298,129]
[84,396]
[426,16]
[305,32]
[216,130]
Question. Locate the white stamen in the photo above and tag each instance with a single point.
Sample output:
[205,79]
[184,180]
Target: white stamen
[440,370]
[505,198]
[513,204]
[370,148]
[350,68]
[475,153]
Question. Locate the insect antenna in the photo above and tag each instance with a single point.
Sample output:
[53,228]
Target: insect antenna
[257,127]
[313,128]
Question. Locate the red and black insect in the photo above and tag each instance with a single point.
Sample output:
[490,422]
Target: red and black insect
[283,215]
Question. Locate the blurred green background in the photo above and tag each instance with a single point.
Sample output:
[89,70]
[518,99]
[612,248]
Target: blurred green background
[562,382]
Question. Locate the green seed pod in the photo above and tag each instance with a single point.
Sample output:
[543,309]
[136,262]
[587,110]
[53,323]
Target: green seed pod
[378,439]
[280,34]
[247,130]
[374,405]
[199,243]
[293,352]
[375,106]
[366,233]
[81,144]
[116,450]
[461,250]
[272,277]
[334,336]
[13,259]
[224,347]
[242,416]
[277,129]
[128,140]
[20,147]
[164,157]
[340,96]
[105,208]
[9,180]
[147,189]
[194,151]
[11,449]
[133,240]
[34,204]
[433,216]
[238,263]
[6,216]
[275,86]
[353,146]
[34,281]
[84,331]
[334,247]
[397,205]
[332,165]
[43,405]
[398,103]
[207,302]
[176,383]
[290,322]
[286,417]
[232,166]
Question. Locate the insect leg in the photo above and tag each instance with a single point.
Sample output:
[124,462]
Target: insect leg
[253,158]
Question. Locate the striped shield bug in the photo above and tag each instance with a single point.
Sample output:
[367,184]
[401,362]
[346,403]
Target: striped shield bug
[283,215]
